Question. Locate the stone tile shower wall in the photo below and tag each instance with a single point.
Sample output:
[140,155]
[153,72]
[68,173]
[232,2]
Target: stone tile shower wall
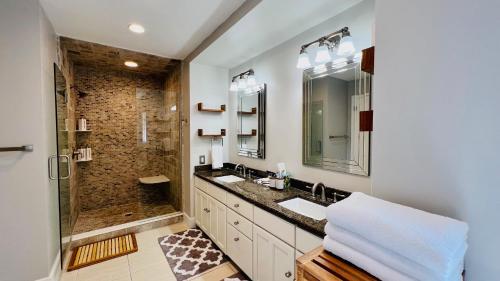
[112,106]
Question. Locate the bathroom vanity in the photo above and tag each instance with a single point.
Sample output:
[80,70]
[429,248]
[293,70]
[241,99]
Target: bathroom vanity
[247,222]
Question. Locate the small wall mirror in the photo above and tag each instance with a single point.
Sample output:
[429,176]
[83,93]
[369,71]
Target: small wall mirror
[335,96]
[252,122]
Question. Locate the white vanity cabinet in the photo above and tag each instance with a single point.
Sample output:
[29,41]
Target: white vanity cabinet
[263,245]
[210,216]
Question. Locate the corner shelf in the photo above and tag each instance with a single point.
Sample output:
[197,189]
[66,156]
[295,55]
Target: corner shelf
[200,108]
[78,161]
[83,131]
[253,111]
[222,133]
[252,134]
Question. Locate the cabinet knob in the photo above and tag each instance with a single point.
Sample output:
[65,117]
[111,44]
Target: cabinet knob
[208,210]
[236,222]
[288,274]
[236,239]
[236,205]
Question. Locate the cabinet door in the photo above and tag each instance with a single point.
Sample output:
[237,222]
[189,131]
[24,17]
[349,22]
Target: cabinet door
[198,210]
[273,259]
[217,213]
[205,215]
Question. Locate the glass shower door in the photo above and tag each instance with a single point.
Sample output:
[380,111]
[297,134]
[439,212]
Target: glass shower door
[62,172]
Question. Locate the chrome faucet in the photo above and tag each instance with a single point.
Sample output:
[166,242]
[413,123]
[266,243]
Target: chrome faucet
[323,195]
[243,167]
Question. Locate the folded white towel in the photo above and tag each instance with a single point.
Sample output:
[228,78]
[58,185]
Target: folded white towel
[370,265]
[217,155]
[392,259]
[430,240]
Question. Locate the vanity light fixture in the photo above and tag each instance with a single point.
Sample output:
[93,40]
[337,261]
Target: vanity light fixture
[136,28]
[322,53]
[340,40]
[130,63]
[243,81]
[303,61]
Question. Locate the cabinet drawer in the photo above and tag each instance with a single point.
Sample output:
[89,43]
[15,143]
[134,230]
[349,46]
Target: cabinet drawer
[240,206]
[240,223]
[306,241]
[276,226]
[200,184]
[239,249]
[216,192]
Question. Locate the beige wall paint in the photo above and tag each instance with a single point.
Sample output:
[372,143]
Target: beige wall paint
[28,200]
[436,131]
[276,68]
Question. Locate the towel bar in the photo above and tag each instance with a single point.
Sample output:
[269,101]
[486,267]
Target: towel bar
[26,148]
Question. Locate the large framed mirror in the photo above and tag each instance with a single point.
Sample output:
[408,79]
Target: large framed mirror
[252,122]
[336,97]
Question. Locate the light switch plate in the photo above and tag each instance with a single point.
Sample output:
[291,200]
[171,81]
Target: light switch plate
[202,159]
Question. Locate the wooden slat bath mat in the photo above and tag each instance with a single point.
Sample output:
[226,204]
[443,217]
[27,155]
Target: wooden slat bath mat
[100,251]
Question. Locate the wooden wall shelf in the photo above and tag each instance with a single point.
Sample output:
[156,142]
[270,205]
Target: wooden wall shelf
[222,133]
[253,111]
[200,108]
[252,134]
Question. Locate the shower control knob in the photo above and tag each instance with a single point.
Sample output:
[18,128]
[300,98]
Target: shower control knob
[236,222]
[288,274]
[236,239]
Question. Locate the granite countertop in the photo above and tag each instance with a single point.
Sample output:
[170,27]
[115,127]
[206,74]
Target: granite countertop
[268,199]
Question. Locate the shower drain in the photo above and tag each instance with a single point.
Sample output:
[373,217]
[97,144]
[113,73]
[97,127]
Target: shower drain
[128,214]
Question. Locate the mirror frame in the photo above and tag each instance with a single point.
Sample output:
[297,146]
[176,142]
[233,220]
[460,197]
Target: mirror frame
[354,166]
[261,126]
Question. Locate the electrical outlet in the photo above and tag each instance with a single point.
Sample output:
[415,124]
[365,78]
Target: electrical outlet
[202,159]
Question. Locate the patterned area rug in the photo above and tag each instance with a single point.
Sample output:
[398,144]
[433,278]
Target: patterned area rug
[190,253]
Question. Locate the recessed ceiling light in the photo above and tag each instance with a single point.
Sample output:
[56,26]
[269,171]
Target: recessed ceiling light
[130,63]
[136,28]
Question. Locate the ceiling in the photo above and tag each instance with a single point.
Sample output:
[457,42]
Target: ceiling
[105,57]
[174,28]
[269,24]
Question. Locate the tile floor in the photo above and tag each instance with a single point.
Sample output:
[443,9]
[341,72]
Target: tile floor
[147,264]
[114,215]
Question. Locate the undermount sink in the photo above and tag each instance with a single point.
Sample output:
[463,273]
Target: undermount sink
[305,207]
[230,179]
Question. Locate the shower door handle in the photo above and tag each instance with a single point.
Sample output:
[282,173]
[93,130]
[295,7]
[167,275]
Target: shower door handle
[68,175]
[51,169]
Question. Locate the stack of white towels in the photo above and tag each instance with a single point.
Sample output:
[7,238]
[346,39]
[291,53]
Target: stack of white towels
[394,242]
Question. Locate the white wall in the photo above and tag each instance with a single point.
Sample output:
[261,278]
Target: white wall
[276,67]
[209,85]
[437,131]
[29,236]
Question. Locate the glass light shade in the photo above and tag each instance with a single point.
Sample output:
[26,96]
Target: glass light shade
[346,47]
[233,87]
[251,80]
[303,61]
[320,69]
[322,54]
[242,83]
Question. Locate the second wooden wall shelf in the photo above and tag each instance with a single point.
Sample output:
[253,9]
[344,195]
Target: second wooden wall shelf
[253,111]
[222,133]
[200,108]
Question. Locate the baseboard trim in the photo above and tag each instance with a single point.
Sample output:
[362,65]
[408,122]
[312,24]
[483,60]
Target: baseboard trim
[189,220]
[55,271]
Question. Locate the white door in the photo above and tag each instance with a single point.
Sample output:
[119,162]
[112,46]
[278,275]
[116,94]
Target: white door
[217,212]
[273,259]
[205,215]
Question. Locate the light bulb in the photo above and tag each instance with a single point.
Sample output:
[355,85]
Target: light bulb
[233,87]
[130,63]
[136,28]
[346,47]
[242,84]
[251,80]
[303,61]
[322,54]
